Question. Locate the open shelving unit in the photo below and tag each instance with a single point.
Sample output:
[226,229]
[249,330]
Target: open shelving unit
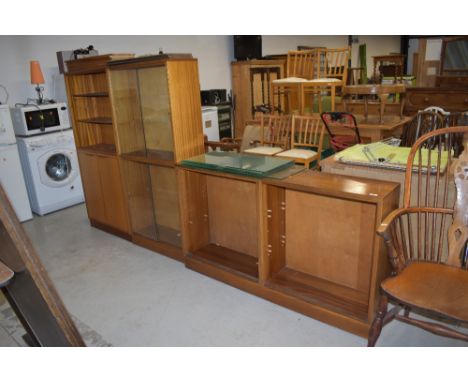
[254,234]
[157,117]
[91,112]
[222,221]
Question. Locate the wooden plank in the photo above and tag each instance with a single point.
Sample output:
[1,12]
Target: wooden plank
[185,101]
[32,294]
[228,259]
[345,187]
[320,292]
[334,243]
[232,208]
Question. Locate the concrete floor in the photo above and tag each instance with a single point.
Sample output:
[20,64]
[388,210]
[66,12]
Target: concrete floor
[129,296]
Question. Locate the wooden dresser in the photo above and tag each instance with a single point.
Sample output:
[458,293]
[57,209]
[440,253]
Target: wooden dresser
[448,98]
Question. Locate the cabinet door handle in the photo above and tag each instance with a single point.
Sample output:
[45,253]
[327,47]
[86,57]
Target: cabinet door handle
[426,99]
[465,100]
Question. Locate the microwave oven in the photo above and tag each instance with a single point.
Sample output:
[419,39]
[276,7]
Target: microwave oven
[39,119]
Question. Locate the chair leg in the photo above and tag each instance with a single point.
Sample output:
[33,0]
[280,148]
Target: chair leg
[407,312]
[376,327]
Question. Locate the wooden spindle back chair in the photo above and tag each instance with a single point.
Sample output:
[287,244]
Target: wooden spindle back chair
[301,63]
[306,140]
[334,63]
[275,135]
[422,123]
[427,242]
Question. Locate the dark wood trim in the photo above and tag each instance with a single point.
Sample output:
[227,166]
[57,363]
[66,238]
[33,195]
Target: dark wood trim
[109,229]
[160,247]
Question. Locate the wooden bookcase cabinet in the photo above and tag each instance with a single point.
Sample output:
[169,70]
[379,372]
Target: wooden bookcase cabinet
[157,114]
[91,113]
[308,242]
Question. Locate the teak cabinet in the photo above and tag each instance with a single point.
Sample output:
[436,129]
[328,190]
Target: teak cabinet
[93,127]
[307,242]
[251,87]
[156,109]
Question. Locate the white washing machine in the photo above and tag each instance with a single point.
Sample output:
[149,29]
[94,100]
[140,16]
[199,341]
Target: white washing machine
[51,171]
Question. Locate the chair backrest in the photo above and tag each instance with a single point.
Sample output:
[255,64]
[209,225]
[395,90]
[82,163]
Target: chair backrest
[335,123]
[422,123]
[431,227]
[434,154]
[276,130]
[334,63]
[301,63]
[307,131]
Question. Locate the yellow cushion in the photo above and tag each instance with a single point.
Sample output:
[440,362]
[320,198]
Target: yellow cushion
[264,150]
[298,153]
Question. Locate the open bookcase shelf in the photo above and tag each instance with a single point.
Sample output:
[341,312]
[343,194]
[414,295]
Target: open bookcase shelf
[91,112]
[233,261]
[318,291]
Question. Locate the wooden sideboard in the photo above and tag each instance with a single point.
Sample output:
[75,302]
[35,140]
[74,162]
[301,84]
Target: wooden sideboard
[449,98]
[263,239]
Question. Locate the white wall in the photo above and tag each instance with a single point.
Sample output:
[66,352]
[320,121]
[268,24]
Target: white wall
[214,54]
[375,46]
[281,44]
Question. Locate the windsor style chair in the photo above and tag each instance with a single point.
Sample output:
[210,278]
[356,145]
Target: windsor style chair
[306,140]
[422,123]
[427,242]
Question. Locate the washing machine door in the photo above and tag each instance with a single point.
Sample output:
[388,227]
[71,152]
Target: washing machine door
[58,168]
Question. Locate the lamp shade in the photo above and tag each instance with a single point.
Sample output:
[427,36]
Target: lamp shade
[36,73]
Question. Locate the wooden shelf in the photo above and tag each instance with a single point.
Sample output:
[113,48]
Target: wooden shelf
[320,292]
[240,263]
[100,149]
[156,157]
[97,120]
[91,95]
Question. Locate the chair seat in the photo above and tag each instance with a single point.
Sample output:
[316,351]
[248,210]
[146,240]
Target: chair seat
[264,150]
[436,287]
[298,153]
[289,80]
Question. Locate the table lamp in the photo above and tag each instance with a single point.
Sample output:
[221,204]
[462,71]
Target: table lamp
[36,79]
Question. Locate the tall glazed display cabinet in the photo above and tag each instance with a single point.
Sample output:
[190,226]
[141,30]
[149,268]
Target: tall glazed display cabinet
[156,109]
[94,131]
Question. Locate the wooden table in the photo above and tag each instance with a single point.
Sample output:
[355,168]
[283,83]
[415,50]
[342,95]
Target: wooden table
[381,91]
[397,59]
[331,166]
[371,130]
[307,86]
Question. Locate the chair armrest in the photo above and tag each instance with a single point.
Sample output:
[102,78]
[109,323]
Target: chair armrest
[386,223]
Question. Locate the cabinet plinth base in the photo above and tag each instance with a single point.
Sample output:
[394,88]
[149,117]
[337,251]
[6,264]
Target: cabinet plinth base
[109,229]
[160,247]
[328,316]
